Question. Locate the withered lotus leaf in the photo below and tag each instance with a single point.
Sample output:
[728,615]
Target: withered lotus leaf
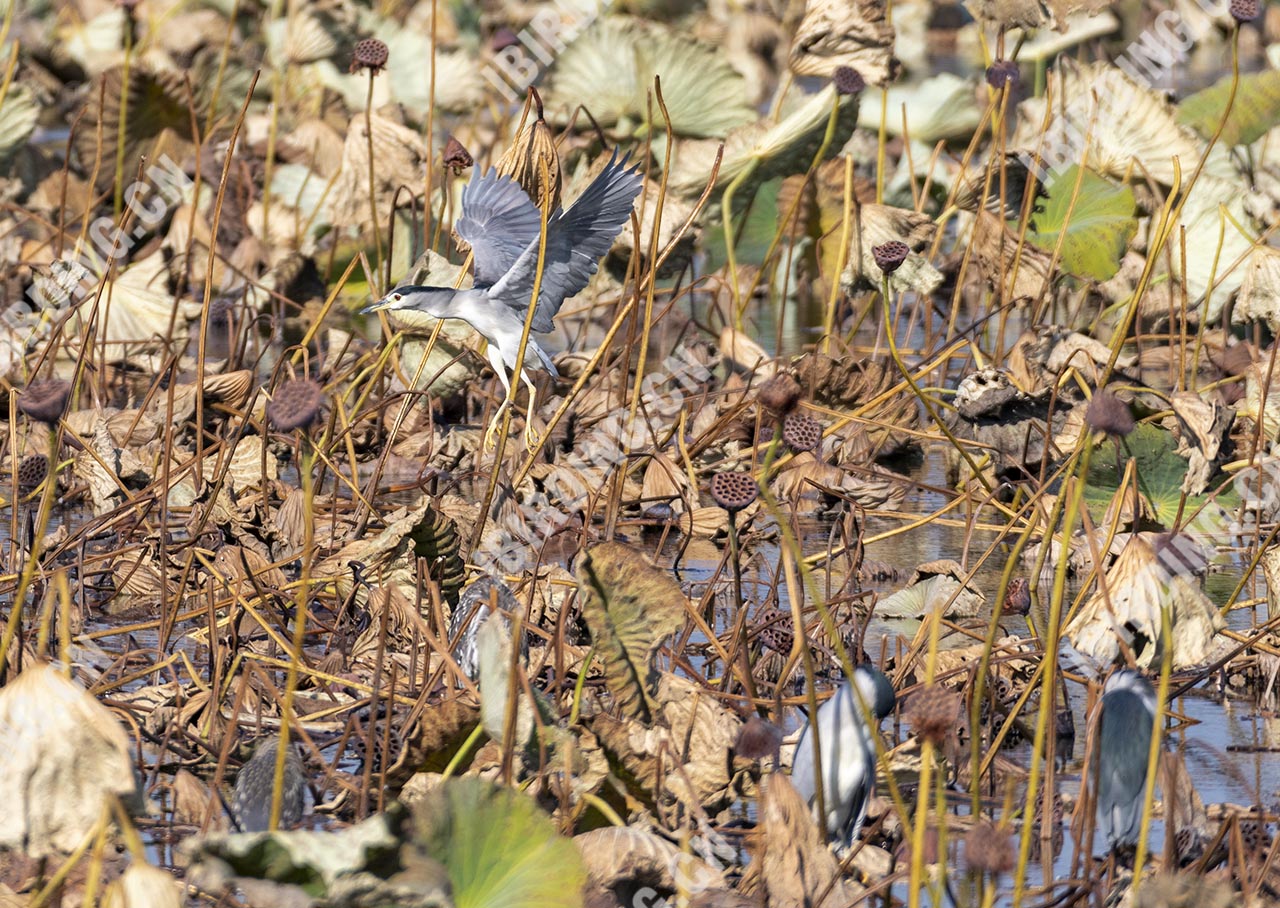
[630,607]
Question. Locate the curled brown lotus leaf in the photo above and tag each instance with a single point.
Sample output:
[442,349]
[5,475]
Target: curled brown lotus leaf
[159,117]
[433,740]
[230,388]
[45,400]
[848,383]
[400,158]
[622,859]
[532,160]
[791,864]
[690,742]
[1149,579]
[242,572]
[389,558]
[838,33]
[631,607]
[1012,270]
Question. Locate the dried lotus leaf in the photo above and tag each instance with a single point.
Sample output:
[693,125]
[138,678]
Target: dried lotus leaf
[533,162]
[614,63]
[853,33]
[244,570]
[400,159]
[244,467]
[159,119]
[390,557]
[229,388]
[19,113]
[66,758]
[140,575]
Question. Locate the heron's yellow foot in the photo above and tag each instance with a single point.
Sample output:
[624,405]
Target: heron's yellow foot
[491,435]
[531,437]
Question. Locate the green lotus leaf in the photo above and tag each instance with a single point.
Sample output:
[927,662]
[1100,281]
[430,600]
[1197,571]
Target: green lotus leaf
[1095,231]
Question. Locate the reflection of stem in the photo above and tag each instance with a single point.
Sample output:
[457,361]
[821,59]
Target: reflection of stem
[299,630]
[744,654]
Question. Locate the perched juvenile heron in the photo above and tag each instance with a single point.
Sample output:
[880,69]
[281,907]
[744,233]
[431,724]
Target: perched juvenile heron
[251,798]
[504,229]
[1126,716]
[848,752]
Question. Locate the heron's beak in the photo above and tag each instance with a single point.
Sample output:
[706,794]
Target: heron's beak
[383,303]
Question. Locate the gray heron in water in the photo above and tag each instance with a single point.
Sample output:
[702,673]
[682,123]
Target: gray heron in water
[848,752]
[1125,722]
[504,229]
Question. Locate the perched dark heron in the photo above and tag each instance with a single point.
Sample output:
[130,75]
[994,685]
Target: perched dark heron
[1126,716]
[465,626]
[848,752]
[251,799]
[504,229]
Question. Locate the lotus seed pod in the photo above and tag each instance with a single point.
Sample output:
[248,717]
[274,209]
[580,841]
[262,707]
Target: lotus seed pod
[890,256]
[733,491]
[45,400]
[370,54]
[802,432]
[295,405]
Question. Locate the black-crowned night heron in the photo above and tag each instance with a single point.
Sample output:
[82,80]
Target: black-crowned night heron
[464,626]
[503,227]
[848,752]
[1126,716]
[255,783]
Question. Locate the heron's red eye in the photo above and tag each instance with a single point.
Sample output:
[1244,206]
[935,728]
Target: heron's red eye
[396,297]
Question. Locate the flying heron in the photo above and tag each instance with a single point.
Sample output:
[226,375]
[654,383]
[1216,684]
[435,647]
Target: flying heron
[1126,716]
[503,227]
[848,752]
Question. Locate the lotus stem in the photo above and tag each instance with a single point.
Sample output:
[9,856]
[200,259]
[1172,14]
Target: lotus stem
[299,625]
[373,181]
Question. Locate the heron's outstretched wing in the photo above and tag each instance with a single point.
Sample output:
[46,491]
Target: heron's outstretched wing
[576,239]
[499,221]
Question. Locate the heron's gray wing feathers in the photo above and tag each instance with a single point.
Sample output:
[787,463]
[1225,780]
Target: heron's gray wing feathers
[1124,743]
[499,221]
[576,239]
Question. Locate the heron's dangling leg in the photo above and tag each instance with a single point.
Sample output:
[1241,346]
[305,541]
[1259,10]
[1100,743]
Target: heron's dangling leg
[531,438]
[495,360]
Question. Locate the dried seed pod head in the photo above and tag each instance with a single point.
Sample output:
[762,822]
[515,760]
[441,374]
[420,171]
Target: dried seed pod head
[1017,598]
[988,849]
[890,256]
[455,156]
[933,712]
[370,54]
[295,405]
[45,400]
[1002,73]
[802,432]
[733,491]
[532,153]
[848,81]
[502,39]
[1108,413]
[758,739]
[32,470]
[1245,10]
[779,393]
